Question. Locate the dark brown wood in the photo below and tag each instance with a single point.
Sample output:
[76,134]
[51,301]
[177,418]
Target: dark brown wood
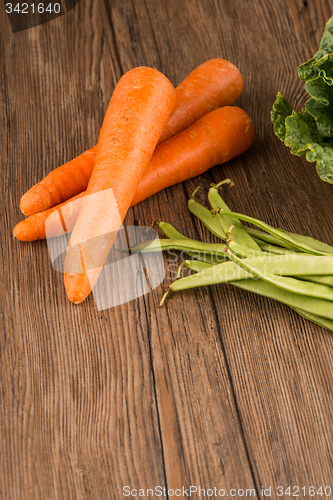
[220,388]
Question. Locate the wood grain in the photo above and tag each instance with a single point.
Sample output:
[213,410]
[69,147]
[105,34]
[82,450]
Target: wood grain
[220,388]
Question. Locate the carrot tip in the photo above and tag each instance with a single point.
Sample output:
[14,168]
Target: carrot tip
[18,233]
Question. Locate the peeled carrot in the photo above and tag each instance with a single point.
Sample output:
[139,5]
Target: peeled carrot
[217,137]
[140,107]
[211,85]
[214,139]
[35,226]
[60,184]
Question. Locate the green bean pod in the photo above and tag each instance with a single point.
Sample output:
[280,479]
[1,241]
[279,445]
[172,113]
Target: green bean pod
[285,237]
[311,242]
[320,279]
[240,236]
[182,245]
[324,322]
[263,236]
[170,232]
[278,265]
[310,305]
[196,265]
[212,223]
[285,283]
[205,216]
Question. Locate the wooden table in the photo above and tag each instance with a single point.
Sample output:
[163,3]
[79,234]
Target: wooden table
[218,389]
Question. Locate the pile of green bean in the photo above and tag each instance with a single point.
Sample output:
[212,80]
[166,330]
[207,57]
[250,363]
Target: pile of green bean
[290,268]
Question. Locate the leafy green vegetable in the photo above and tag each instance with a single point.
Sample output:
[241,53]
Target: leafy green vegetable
[310,131]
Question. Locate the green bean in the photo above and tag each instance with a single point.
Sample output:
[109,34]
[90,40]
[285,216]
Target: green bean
[294,264]
[286,283]
[204,215]
[211,222]
[213,260]
[200,266]
[265,241]
[324,322]
[261,288]
[181,244]
[240,236]
[289,264]
[208,275]
[213,275]
[311,242]
[170,232]
[288,238]
[242,251]
[196,265]
[214,197]
[278,265]
[235,241]
[310,305]
[320,279]
[209,259]
[263,236]
[293,269]
[266,247]
[193,265]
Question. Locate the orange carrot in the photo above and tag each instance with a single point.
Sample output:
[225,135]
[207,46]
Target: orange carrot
[140,107]
[213,84]
[60,184]
[214,139]
[217,137]
[35,226]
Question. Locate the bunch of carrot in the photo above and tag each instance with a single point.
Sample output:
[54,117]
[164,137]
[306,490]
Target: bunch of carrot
[153,136]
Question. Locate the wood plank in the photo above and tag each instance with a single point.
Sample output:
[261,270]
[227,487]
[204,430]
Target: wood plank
[282,190]
[202,441]
[218,388]
[78,406]
[294,429]
[279,363]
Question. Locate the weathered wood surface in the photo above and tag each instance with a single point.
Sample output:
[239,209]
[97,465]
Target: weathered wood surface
[219,388]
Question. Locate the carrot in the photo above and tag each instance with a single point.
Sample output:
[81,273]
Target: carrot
[140,107]
[60,184]
[211,85]
[214,139]
[217,137]
[40,226]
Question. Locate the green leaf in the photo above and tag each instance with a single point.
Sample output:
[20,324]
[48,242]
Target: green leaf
[281,109]
[302,137]
[301,130]
[310,131]
[324,158]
